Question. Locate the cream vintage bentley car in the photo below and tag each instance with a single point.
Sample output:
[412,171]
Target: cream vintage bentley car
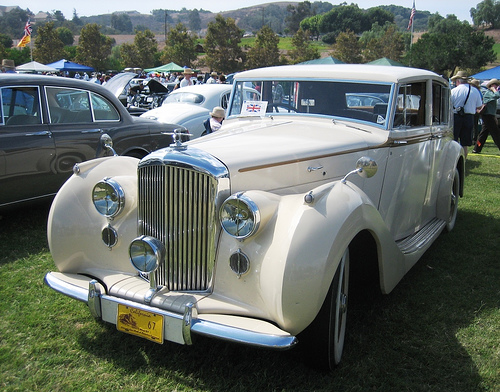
[260,232]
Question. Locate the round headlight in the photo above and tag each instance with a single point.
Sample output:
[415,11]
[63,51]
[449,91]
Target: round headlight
[239,216]
[146,253]
[108,197]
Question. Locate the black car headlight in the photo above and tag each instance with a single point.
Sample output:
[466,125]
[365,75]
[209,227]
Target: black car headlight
[239,216]
[108,197]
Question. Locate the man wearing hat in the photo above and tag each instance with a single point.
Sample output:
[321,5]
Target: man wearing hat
[216,117]
[188,73]
[490,126]
[466,100]
[213,78]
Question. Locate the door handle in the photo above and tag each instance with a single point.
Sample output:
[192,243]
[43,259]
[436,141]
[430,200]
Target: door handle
[40,133]
[92,131]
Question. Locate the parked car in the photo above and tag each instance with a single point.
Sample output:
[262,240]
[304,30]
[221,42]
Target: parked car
[48,124]
[259,233]
[136,94]
[190,106]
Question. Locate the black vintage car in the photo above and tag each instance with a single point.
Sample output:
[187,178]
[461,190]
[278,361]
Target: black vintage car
[47,124]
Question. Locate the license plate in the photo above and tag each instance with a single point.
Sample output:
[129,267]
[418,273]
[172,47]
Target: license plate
[141,323]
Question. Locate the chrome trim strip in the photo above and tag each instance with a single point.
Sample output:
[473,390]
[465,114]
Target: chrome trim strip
[66,288]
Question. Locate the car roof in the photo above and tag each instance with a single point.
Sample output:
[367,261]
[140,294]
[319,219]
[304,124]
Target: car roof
[203,88]
[365,72]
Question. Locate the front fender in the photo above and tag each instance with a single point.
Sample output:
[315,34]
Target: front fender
[294,258]
[74,226]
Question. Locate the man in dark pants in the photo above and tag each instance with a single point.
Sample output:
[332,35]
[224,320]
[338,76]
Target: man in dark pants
[490,125]
[466,101]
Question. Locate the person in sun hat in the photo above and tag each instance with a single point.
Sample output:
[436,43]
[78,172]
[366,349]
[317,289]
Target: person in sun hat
[213,78]
[488,115]
[466,100]
[188,73]
[216,117]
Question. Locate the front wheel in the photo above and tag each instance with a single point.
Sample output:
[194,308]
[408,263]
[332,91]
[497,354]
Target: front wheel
[325,337]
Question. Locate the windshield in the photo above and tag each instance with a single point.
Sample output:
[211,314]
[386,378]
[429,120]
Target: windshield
[354,100]
[186,97]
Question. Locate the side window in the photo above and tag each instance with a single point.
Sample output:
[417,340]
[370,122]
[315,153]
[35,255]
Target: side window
[440,104]
[224,100]
[410,106]
[103,109]
[20,105]
[68,106]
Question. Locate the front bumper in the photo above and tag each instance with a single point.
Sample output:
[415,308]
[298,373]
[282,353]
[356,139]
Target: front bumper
[177,327]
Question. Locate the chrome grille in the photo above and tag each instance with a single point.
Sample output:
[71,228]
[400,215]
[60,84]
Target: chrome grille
[177,206]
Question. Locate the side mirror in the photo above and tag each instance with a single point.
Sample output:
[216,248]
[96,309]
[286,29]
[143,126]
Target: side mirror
[366,167]
[107,143]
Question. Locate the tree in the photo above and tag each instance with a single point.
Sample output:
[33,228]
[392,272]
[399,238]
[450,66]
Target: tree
[5,41]
[265,52]
[147,47]
[451,44]
[312,24]
[382,41]
[297,14]
[12,22]
[347,48]
[343,18]
[65,35]
[487,13]
[222,45]
[48,46]
[302,49]
[76,19]
[129,55]
[121,22]
[180,47]
[93,47]
[194,20]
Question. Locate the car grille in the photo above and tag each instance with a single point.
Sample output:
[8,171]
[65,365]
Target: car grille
[177,205]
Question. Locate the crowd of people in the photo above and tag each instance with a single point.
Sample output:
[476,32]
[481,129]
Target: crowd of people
[474,111]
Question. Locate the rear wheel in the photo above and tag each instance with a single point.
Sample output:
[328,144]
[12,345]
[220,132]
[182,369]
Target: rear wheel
[325,337]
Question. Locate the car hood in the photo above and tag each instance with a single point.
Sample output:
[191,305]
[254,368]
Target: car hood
[249,148]
[176,112]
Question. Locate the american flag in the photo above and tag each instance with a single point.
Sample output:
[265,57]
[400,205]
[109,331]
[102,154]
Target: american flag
[412,15]
[27,28]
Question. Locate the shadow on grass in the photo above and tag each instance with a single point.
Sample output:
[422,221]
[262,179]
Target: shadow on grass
[405,341]
[23,231]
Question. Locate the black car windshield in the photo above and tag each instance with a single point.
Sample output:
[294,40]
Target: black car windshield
[353,100]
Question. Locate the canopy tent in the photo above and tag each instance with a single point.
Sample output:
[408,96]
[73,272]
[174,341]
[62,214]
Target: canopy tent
[386,61]
[493,73]
[34,66]
[324,60]
[66,65]
[170,67]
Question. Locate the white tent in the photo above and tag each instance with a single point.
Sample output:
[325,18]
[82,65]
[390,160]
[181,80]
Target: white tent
[34,66]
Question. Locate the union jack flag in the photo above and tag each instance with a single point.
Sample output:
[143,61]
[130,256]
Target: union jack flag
[27,35]
[253,108]
[412,15]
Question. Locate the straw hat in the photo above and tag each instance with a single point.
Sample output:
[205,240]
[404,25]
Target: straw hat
[460,75]
[475,83]
[493,81]
[188,71]
[218,112]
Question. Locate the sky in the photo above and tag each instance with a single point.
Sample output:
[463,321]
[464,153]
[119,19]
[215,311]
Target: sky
[460,8]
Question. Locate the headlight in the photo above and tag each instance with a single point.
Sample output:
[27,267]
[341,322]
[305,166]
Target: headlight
[146,253]
[108,197]
[239,216]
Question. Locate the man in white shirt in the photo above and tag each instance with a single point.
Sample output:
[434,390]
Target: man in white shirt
[213,78]
[466,100]
[188,73]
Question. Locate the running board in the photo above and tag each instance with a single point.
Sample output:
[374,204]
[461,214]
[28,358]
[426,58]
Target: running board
[421,238]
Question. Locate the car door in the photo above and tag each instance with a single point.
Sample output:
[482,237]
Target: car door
[405,204]
[77,120]
[27,149]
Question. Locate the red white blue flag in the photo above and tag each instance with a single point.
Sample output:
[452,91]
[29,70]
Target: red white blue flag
[412,15]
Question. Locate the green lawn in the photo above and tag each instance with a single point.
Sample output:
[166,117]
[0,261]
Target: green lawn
[439,330]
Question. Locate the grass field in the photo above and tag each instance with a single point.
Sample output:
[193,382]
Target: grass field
[439,330]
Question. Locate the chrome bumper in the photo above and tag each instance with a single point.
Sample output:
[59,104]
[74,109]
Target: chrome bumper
[177,327]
